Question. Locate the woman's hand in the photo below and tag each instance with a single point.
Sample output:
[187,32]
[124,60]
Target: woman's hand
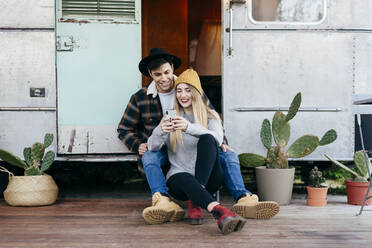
[166,125]
[180,123]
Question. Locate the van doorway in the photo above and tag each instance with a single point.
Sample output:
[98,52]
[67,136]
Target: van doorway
[190,29]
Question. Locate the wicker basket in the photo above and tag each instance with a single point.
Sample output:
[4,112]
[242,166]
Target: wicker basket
[27,191]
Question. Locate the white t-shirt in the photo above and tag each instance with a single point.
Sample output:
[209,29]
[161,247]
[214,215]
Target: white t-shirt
[167,100]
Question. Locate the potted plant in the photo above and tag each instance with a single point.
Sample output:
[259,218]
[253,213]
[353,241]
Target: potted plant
[35,188]
[275,180]
[316,192]
[356,188]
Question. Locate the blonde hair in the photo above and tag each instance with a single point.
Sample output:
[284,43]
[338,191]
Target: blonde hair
[201,111]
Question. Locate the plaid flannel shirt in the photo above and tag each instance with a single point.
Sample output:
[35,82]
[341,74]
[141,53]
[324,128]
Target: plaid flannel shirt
[142,115]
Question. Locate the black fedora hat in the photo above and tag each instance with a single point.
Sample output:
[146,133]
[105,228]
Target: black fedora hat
[156,53]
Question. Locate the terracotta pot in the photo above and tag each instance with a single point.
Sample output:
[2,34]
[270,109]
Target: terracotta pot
[317,197]
[356,192]
[275,184]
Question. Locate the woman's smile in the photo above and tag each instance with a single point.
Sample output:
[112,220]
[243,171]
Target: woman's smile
[183,94]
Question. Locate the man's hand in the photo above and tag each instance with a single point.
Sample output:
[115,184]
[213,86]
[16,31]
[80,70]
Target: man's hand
[142,148]
[166,125]
[180,123]
[225,147]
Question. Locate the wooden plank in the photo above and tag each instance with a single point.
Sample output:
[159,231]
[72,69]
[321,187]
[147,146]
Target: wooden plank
[118,223]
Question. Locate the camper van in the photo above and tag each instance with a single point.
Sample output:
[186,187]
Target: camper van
[69,67]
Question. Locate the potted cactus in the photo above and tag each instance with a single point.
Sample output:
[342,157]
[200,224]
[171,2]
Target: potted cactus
[35,188]
[316,192]
[356,187]
[275,180]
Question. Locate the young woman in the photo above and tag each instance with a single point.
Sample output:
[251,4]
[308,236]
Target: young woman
[192,139]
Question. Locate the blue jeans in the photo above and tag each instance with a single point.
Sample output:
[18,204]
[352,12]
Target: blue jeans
[153,162]
[233,176]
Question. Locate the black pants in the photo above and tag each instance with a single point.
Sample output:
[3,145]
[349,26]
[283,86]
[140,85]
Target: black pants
[208,175]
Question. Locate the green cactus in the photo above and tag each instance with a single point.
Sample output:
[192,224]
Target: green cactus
[33,171]
[48,140]
[47,161]
[360,164]
[361,172]
[303,146]
[316,178]
[250,159]
[293,108]
[35,163]
[266,136]
[281,129]
[12,159]
[277,156]
[27,155]
[328,137]
[37,153]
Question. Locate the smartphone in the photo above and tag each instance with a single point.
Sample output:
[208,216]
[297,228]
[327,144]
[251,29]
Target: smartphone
[171,113]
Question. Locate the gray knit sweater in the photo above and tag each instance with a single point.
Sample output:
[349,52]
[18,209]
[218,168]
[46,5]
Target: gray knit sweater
[183,160]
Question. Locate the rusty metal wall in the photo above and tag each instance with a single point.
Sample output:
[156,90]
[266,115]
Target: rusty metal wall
[27,60]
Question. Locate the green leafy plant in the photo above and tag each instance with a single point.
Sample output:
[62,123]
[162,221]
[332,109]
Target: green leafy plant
[277,156]
[360,173]
[36,160]
[316,178]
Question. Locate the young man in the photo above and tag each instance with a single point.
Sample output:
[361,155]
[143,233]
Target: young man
[143,113]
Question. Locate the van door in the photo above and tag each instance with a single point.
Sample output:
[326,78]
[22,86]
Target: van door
[98,49]
[274,49]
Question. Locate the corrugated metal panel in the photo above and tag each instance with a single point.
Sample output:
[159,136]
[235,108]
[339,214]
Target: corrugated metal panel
[27,61]
[269,68]
[27,14]
[121,8]
[363,72]
[21,129]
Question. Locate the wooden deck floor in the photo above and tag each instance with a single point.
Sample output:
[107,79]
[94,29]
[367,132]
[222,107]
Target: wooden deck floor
[118,223]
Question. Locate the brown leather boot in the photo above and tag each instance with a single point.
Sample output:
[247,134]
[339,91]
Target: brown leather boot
[162,210]
[249,207]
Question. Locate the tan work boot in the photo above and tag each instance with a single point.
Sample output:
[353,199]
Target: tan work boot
[249,207]
[162,210]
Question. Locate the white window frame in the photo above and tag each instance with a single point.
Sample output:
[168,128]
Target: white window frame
[286,23]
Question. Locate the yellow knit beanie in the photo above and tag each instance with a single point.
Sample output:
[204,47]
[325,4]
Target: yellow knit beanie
[190,77]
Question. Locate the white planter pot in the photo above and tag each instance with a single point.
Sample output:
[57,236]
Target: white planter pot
[275,184]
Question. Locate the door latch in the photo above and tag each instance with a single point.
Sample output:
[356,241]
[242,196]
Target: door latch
[65,43]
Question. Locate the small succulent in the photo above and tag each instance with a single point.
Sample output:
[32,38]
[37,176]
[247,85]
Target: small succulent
[35,162]
[316,178]
[360,172]
[277,156]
